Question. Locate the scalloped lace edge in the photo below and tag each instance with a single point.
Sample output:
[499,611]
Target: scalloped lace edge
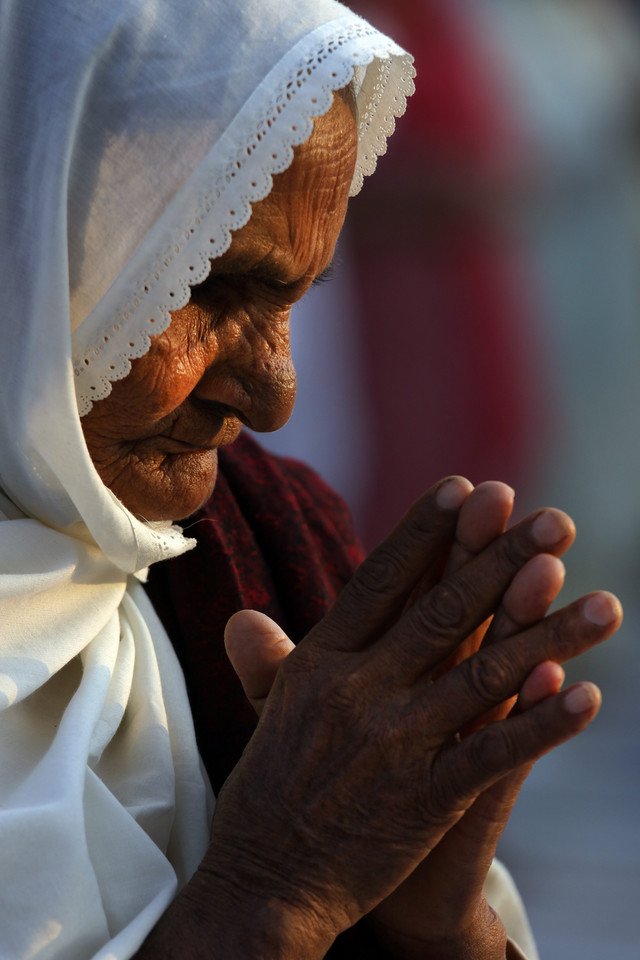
[301,93]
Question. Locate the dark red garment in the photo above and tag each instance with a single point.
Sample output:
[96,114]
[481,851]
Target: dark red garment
[275,538]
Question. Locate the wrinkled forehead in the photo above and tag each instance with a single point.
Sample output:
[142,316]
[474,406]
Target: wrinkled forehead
[292,233]
[324,164]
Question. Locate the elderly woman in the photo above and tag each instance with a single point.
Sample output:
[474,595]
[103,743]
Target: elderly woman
[175,176]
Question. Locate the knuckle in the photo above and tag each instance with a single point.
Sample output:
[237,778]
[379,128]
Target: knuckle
[488,677]
[338,702]
[383,567]
[425,520]
[514,549]
[444,610]
[438,801]
[344,697]
[492,751]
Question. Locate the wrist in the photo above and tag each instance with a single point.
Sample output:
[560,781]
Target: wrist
[483,938]
[217,917]
[260,924]
[251,911]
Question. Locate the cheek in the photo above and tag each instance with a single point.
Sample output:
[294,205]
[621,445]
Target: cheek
[152,391]
[170,385]
[161,381]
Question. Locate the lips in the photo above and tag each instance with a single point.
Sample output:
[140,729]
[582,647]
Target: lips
[191,441]
[173,445]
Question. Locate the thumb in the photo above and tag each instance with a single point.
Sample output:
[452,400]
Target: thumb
[256,646]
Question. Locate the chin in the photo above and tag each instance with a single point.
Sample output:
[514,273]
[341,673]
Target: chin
[178,492]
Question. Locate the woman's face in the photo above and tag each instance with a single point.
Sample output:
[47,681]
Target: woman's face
[225,360]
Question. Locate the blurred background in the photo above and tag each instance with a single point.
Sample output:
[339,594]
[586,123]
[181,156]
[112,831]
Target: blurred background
[484,320]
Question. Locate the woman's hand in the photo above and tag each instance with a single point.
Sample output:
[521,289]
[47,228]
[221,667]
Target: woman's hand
[441,902]
[355,772]
[376,778]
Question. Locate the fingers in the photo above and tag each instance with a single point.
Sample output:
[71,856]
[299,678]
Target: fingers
[489,754]
[455,607]
[256,647]
[544,681]
[487,817]
[498,671]
[483,517]
[528,598]
[380,588]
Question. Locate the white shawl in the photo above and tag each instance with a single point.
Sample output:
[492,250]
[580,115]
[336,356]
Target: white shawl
[134,135]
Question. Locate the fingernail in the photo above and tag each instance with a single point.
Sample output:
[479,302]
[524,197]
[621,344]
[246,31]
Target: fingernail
[583,697]
[492,484]
[453,492]
[548,530]
[601,609]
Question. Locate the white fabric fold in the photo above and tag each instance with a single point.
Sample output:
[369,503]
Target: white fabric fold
[104,809]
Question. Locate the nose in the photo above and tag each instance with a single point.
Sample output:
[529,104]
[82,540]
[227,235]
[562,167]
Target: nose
[270,386]
[258,380]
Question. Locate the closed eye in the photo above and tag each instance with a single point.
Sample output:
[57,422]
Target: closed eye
[216,283]
[326,275]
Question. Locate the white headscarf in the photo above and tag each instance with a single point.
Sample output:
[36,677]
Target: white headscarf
[134,136]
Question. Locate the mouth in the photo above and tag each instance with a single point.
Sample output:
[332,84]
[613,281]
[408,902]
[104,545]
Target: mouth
[173,445]
[226,433]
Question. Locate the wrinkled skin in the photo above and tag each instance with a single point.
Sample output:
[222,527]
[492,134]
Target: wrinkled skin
[355,778]
[224,360]
[443,897]
[356,796]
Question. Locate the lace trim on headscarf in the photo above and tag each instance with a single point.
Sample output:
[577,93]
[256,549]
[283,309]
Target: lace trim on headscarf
[268,129]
